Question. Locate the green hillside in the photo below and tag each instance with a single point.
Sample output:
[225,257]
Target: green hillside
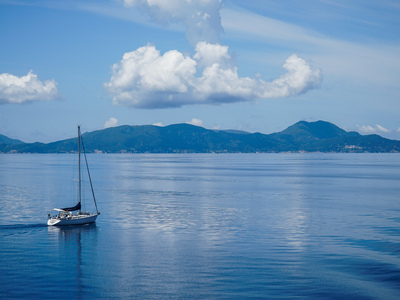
[304,136]
[7,141]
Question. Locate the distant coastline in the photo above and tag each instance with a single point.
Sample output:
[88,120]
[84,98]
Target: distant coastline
[319,136]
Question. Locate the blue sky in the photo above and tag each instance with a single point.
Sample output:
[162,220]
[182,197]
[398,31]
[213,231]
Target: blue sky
[255,65]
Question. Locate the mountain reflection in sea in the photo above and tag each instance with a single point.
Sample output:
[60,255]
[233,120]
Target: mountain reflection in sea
[231,226]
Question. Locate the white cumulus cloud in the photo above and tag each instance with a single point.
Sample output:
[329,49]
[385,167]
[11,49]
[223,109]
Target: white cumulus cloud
[300,78]
[195,122]
[112,122]
[382,129]
[145,78]
[209,54]
[368,129]
[201,18]
[24,89]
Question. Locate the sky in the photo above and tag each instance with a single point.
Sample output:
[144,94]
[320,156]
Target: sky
[257,66]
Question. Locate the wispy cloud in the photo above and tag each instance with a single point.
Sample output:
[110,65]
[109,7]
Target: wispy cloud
[243,24]
[371,62]
[202,19]
[112,9]
[25,89]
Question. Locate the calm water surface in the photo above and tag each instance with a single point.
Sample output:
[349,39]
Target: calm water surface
[205,226]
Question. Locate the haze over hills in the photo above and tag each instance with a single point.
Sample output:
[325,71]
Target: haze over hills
[303,136]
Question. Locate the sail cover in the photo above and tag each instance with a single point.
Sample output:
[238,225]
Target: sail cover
[73,208]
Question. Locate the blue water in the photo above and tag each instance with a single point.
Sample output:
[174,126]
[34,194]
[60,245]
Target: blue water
[205,226]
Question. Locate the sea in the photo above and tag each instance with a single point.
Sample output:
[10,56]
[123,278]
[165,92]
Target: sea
[204,226]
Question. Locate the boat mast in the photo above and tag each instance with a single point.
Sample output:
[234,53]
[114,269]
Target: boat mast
[79,164]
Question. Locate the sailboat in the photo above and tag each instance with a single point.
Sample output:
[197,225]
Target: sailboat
[66,216]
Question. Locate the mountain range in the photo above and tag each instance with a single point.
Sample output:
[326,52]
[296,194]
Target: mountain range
[303,136]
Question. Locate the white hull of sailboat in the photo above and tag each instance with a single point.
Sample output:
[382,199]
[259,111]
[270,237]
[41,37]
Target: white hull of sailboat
[74,220]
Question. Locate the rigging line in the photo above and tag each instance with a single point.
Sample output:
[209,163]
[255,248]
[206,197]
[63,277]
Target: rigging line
[90,179]
[79,165]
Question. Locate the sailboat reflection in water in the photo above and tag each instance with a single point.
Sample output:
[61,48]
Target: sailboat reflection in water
[65,216]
